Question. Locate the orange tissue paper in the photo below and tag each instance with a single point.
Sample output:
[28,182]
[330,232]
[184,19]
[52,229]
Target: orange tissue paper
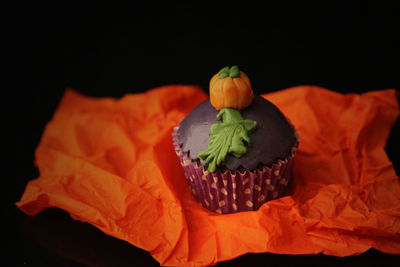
[111,162]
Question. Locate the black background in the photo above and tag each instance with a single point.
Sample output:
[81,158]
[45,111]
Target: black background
[111,50]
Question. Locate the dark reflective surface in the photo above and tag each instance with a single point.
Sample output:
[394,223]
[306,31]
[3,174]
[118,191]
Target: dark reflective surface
[56,231]
[53,238]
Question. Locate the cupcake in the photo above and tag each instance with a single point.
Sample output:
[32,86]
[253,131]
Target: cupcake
[237,149]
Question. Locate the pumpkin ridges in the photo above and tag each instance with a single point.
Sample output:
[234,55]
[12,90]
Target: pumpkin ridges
[220,87]
[217,95]
[230,93]
[213,80]
[239,84]
[245,79]
[222,93]
[233,92]
[246,94]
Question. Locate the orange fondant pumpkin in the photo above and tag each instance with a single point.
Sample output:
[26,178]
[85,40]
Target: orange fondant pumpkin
[230,88]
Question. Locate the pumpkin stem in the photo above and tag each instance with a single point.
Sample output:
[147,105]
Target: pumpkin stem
[224,72]
[232,72]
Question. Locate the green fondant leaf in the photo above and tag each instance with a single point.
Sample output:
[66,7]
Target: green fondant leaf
[249,125]
[227,137]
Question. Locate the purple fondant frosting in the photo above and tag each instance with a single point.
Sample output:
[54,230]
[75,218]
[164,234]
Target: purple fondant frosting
[273,138]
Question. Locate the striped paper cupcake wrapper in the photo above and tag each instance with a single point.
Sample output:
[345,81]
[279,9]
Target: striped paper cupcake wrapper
[234,191]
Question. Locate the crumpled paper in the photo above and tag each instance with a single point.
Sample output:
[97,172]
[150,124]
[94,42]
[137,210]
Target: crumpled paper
[110,162]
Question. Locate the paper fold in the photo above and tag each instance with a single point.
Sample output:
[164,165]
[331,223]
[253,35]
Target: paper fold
[111,162]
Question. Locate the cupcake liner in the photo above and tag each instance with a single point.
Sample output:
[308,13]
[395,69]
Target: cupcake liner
[235,191]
